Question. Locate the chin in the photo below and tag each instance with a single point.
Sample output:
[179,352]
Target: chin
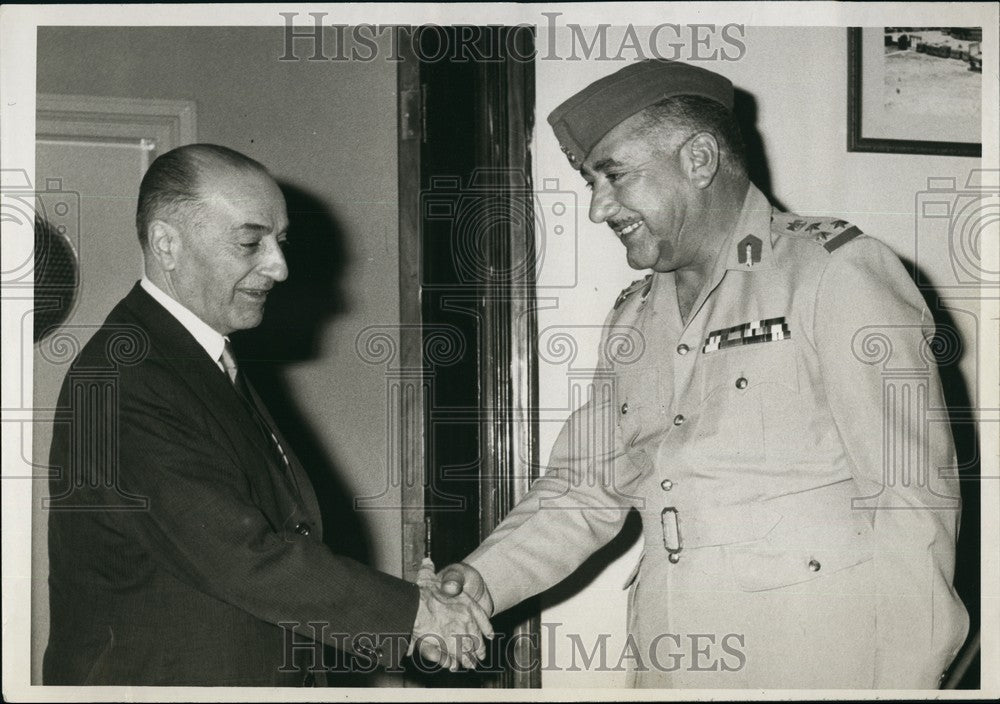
[638,263]
[642,254]
[247,322]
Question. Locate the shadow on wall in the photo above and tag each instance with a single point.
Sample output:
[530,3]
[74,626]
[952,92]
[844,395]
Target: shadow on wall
[949,349]
[745,110]
[298,312]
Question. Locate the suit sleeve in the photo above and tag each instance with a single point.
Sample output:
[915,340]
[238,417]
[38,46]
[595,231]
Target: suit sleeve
[871,331]
[204,526]
[578,505]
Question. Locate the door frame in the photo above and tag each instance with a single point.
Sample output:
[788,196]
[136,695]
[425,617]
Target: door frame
[165,123]
[508,370]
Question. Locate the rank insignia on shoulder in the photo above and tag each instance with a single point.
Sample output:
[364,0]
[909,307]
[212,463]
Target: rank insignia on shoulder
[832,241]
[643,284]
[755,331]
[831,233]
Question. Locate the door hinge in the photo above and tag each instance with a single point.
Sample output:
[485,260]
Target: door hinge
[413,114]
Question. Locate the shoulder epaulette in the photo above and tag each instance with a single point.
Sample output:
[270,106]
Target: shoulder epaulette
[643,284]
[831,233]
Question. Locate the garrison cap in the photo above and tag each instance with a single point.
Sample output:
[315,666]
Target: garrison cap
[582,120]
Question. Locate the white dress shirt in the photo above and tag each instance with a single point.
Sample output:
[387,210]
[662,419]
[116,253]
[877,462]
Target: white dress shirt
[208,338]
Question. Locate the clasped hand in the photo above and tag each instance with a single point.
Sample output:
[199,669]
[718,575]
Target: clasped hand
[451,625]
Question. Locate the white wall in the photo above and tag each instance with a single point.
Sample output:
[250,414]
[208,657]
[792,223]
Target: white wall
[798,77]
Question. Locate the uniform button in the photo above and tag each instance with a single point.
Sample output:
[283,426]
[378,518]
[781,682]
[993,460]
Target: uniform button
[814,565]
[741,383]
[674,557]
[303,528]
[682,349]
[624,408]
[678,419]
[667,485]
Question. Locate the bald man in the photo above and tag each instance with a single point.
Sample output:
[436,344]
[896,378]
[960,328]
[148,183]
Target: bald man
[184,537]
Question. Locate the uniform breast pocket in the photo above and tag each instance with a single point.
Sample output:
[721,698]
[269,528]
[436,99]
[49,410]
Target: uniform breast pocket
[761,369]
[639,412]
[740,387]
[637,397]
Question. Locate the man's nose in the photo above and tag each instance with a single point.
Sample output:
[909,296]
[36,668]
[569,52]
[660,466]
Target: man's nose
[275,267]
[602,203]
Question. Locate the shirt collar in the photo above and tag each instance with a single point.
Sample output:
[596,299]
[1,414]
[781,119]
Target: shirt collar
[208,338]
[754,229]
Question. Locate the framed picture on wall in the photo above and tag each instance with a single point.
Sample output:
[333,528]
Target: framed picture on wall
[915,90]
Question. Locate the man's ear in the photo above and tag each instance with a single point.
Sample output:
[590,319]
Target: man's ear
[164,244]
[701,161]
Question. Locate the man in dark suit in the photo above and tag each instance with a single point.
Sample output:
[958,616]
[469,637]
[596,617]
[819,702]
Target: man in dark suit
[184,537]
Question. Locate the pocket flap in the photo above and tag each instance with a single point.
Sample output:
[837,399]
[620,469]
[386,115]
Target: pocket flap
[744,368]
[798,552]
[760,569]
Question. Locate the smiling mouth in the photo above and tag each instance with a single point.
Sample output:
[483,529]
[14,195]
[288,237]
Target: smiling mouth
[628,229]
[257,294]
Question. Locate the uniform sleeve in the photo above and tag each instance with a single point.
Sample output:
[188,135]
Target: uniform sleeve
[575,508]
[871,331]
[204,527]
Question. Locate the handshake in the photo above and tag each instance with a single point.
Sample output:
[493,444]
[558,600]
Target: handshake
[453,617]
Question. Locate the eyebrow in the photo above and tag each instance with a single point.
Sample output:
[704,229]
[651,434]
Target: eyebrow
[605,164]
[257,228]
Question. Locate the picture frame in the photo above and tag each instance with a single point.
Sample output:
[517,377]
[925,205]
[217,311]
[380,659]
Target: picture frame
[915,99]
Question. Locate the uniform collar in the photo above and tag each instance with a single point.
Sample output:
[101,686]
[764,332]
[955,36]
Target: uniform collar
[753,229]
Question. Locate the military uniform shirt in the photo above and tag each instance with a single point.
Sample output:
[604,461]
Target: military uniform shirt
[789,452]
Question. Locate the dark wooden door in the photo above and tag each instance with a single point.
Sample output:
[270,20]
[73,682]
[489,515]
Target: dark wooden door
[467,300]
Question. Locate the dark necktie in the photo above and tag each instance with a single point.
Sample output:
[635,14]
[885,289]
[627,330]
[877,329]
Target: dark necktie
[228,361]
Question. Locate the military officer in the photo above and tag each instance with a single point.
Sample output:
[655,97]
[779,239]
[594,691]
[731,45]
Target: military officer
[799,510]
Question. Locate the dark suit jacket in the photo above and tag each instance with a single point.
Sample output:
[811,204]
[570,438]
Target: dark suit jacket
[178,542]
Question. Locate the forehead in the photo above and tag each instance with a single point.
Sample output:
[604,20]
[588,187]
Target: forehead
[627,141]
[243,194]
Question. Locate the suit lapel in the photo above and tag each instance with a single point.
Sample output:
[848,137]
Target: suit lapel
[296,472]
[171,342]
